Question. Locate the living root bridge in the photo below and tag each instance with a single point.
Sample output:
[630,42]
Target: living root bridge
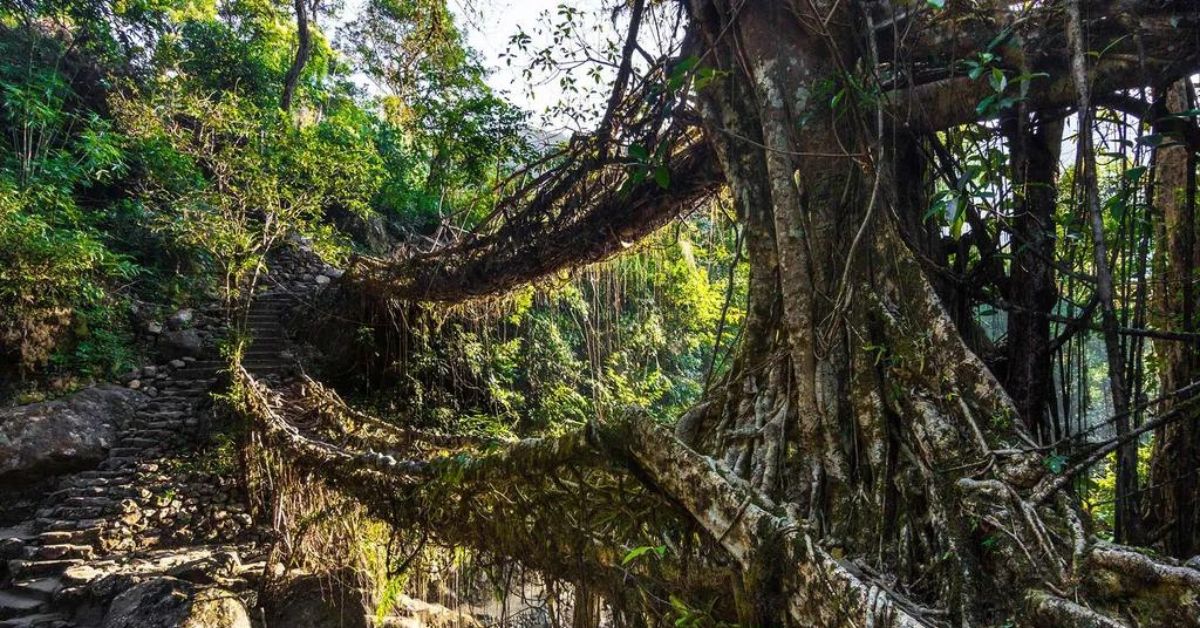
[521,498]
[609,213]
[654,467]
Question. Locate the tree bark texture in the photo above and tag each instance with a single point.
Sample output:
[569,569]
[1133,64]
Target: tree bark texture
[1174,486]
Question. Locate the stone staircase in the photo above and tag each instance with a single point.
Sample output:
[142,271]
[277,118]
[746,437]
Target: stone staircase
[139,499]
[268,350]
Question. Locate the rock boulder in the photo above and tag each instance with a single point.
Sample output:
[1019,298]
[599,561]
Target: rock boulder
[63,435]
[180,343]
[316,601]
[172,603]
[181,318]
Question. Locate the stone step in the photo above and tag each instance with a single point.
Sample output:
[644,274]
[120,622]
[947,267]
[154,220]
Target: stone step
[204,374]
[266,356]
[169,425]
[90,501]
[13,604]
[191,393]
[59,552]
[140,442]
[168,401]
[39,620]
[158,435]
[184,386]
[38,588]
[261,370]
[272,348]
[257,349]
[119,464]
[85,536]
[20,569]
[74,512]
[95,486]
[152,423]
[103,474]
[264,361]
[271,354]
[60,525]
[202,364]
[266,331]
[24,531]
[76,490]
[185,401]
[163,413]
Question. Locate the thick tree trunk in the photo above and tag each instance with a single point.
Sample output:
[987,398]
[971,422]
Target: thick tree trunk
[855,401]
[1175,488]
[1032,290]
[855,392]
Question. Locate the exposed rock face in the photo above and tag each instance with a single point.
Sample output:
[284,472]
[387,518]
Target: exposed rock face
[180,343]
[210,569]
[172,603]
[63,435]
[371,230]
[413,613]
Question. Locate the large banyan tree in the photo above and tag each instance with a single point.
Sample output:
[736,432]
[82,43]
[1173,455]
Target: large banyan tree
[858,464]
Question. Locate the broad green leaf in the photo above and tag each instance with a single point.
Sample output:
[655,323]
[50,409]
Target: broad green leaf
[662,177]
[998,80]
[1134,174]
[1153,139]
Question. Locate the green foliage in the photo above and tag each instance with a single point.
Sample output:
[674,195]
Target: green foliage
[176,181]
[228,180]
[638,331]
[443,134]
[177,178]
[643,550]
[1099,488]
[53,260]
